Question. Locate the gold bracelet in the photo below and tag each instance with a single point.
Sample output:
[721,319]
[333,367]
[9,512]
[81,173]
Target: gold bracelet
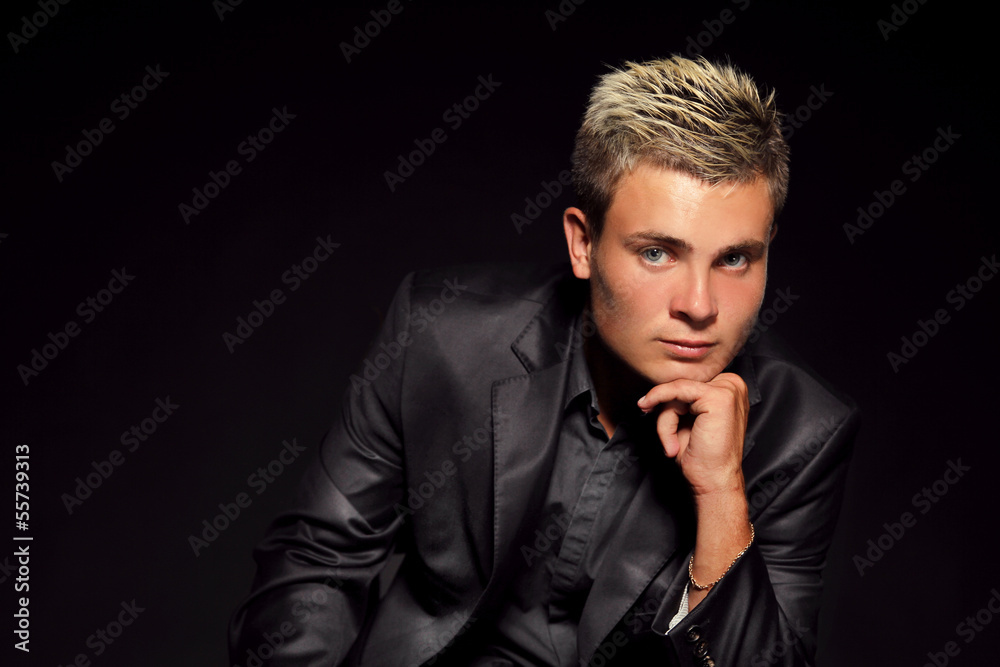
[699,587]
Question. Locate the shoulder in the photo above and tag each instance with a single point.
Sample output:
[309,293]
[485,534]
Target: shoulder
[793,398]
[496,297]
[775,361]
[458,309]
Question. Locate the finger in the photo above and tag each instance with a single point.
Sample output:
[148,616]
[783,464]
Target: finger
[736,386]
[670,427]
[687,391]
[730,381]
[666,428]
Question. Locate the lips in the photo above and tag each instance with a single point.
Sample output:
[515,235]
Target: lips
[688,349]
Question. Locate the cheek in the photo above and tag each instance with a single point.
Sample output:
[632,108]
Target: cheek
[742,300]
[614,302]
[632,314]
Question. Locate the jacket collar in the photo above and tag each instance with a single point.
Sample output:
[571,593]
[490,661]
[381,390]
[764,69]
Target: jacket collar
[548,337]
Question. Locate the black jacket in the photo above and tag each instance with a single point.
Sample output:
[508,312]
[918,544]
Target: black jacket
[440,451]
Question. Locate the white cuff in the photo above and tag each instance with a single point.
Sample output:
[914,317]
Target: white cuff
[682,610]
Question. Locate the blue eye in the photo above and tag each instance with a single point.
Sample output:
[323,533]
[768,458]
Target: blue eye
[653,255]
[734,260]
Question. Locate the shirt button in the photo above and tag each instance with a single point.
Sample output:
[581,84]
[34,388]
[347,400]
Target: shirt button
[693,634]
[701,649]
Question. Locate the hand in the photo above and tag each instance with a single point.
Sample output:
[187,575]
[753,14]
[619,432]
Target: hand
[702,426]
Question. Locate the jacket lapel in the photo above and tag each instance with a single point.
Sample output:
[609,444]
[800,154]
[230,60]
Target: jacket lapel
[654,529]
[527,414]
[525,442]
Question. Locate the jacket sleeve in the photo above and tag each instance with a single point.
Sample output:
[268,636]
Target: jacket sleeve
[317,563]
[765,610]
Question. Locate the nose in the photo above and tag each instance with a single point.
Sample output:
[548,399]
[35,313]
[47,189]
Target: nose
[693,298]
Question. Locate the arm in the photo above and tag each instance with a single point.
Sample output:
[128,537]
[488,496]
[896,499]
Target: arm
[316,566]
[709,449]
[764,610]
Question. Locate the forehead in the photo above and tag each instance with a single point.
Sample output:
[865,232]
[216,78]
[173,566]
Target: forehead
[675,203]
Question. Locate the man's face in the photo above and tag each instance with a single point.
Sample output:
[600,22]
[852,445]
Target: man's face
[678,274]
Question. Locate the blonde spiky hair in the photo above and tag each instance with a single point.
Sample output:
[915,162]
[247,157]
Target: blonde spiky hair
[697,117]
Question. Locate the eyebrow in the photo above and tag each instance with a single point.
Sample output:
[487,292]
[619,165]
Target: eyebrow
[750,246]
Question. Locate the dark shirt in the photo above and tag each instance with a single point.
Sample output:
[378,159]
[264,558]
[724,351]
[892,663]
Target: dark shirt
[592,483]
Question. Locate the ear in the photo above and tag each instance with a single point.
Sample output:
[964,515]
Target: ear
[578,241]
[774,231]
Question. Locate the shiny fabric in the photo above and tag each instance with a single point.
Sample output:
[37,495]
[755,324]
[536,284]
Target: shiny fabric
[593,480]
[444,449]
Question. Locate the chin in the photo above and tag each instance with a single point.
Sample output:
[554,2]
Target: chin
[671,370]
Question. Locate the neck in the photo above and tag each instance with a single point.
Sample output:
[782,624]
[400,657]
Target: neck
[617,386]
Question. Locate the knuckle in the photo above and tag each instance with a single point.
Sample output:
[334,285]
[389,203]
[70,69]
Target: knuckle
[735,382]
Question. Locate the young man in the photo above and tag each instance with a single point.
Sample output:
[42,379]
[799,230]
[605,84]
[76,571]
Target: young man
[581,469]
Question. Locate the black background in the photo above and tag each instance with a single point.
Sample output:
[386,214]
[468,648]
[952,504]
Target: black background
[323,176]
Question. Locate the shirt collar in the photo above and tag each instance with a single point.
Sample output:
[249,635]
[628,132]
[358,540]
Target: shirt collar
[579,380]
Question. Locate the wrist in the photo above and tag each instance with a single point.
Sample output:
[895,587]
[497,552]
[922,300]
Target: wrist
[723,531]
[703,585]
[725,491]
